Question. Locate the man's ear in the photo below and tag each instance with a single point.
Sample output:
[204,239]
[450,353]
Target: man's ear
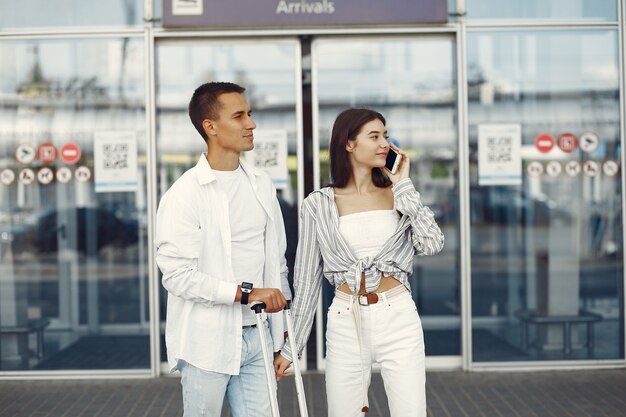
[209,127]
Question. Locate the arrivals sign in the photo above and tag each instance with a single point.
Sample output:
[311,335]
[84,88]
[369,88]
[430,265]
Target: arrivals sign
[263,13]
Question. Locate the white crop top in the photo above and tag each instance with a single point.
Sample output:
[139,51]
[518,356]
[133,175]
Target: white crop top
[366,232]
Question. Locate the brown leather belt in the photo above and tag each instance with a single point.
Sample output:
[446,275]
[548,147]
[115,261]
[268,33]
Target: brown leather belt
[368,298]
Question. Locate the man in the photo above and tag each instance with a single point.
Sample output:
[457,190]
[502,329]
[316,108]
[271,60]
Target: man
[220,243]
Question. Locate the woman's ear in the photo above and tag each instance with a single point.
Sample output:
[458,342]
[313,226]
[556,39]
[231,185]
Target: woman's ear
[350,144]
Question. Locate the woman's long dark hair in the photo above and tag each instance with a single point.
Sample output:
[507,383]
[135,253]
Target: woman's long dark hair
[347,126]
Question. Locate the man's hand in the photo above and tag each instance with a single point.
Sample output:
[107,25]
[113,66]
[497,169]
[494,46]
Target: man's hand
[280,366]
[272,297]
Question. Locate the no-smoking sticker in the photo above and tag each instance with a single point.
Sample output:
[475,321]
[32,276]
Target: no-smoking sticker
[534,169]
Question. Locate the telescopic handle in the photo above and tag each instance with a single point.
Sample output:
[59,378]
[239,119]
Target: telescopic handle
[258,308]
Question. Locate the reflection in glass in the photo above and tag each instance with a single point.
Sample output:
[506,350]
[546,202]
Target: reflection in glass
[547,266]
[56,13]
[270,90]
[412,83]
[73,262]
[603,10]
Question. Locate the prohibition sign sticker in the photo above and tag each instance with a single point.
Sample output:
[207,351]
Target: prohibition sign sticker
[82,174]
[45,175]
[589,142]
[70,153]
[591,168]
[27,176]
[7,176]
[534,169]
[64,175]
[572,168]
[554,168]
[567,142]
[47,153]
[610,168]
[544,142]
[25,153]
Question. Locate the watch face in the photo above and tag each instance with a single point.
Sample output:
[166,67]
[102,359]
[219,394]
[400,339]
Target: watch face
[246,286]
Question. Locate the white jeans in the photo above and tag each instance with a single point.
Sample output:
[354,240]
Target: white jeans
[392,336]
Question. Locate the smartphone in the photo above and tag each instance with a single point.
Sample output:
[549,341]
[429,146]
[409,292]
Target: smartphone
[393,160]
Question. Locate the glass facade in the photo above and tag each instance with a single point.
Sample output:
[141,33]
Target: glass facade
[35,14]
[73,258]
[556,10]
[532,269]
[547,252]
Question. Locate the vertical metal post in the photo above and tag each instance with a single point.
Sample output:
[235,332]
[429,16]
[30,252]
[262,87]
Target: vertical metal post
[464,195]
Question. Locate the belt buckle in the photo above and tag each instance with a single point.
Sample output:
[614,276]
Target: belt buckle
[370,297]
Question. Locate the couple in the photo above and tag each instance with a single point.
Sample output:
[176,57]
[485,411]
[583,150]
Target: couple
[220,245]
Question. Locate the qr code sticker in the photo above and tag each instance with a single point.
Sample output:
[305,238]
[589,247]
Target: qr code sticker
[266,155]
[115,156]
[499,149]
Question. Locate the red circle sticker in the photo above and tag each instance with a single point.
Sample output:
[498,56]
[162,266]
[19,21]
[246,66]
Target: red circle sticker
[47,153]
[70,153]
[567,142]
[544,142]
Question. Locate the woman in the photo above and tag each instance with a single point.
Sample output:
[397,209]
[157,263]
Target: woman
[361,233]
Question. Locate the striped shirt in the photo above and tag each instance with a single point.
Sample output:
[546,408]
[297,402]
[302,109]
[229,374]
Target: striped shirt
[323,252]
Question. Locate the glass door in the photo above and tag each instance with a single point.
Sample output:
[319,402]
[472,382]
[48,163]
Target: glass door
[270,72]
[412,82]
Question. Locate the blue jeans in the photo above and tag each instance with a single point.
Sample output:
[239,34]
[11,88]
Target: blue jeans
[203,391]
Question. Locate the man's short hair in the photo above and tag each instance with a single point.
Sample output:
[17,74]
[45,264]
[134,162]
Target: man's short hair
[204,103]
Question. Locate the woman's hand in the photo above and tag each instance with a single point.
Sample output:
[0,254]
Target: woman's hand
[280,366]
[403,168]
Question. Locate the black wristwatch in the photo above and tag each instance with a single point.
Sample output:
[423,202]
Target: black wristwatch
[246,289]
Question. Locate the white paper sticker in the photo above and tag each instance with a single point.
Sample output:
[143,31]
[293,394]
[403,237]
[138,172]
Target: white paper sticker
[270,155]
[499,154]
[115,161]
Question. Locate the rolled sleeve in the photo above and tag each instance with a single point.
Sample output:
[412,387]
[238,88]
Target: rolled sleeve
[426,235]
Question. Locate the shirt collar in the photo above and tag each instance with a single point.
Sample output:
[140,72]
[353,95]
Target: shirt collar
[206,175]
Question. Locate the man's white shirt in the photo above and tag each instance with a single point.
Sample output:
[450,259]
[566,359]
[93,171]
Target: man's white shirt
[194,253]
